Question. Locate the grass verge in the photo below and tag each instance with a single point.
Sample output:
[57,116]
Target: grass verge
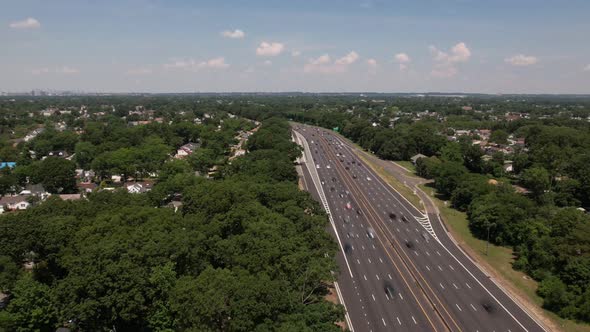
[500,259]
[407,165]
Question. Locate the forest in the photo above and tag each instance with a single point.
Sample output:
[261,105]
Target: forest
[247,251]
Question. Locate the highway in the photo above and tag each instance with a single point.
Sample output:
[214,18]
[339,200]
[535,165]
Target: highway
[399,270]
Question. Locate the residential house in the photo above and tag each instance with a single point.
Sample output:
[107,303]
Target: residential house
[86,187]
[186,150]
[138,187]
[14,203]
[59,154]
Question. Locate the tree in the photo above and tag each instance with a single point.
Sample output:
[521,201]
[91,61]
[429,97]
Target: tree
[85,154]
[537,180]
[446,177]
[57,175]
[9,273]
[31,308]
[499,136]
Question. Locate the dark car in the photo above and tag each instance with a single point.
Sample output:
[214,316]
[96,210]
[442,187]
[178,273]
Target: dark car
[392,215]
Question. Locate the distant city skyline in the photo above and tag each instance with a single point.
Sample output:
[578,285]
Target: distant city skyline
[521,46]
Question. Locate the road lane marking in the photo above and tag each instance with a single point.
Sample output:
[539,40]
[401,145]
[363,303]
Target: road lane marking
[471,304]
[455,286]
[414,319]
[377,277]
[427,267]
[373,296]
[383,320]
[468,285]
[458,307]
[398,321]
[441,285]
[389,275]
[400,296]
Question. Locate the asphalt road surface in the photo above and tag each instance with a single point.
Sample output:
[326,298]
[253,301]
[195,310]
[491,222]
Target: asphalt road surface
[399,271]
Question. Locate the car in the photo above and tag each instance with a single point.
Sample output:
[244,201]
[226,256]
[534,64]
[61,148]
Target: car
[332,188]
[348,206]
[317,166]
[370,233]
[347,219]
[409,244]
[368,178]
[392,215]
[404,219]
[354,176]
[389,290]
[347,168]
[358,211]
[328,166]
[425,236]
[341,195]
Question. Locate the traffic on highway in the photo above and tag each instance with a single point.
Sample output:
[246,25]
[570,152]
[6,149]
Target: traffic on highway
[398,271]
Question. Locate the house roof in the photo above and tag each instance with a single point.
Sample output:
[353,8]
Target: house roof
[13,199]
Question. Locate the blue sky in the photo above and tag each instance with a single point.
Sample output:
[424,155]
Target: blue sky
[499,46]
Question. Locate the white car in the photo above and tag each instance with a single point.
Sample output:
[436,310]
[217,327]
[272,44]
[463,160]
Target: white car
[368,178]
[328,166]
[317,166]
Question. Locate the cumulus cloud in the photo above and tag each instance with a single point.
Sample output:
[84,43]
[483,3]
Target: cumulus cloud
[192,64]
[270,49]
[295,53]
[28,23]
[64,70]
[372,62]
[521,60]
[235,34]
[321,60]
[403,59]
[446,62]
[325,64]
[348,59]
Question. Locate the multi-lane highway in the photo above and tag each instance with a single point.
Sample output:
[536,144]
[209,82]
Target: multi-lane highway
[399,269]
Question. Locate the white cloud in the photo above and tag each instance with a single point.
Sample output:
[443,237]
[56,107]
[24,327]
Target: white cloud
[192,64]
[324,64]
[295,53]
[446,63]
[28,23]
[521,60]
[139,71]
[348,59]
[321,60]
[267,63]
[403,59]
[64,70]
[216,63]
[587,68]
[372,62]
[236,34]
[270,49]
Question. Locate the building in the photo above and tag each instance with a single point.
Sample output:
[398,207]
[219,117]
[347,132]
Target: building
[186,150]
[138,187]
[14,203]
